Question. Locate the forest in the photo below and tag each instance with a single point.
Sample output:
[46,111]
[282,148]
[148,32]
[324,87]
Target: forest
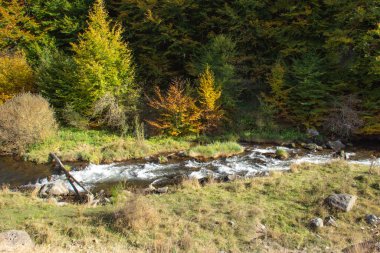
[197,67]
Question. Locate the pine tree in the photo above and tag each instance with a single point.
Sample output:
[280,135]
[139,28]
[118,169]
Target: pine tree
[56,78]
[219,55]
[104,64]
[209,96]
[308,97]
[278,97]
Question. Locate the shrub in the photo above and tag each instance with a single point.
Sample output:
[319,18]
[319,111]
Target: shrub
[15,75]
[178,113]
[138,214]
[344,118]
[110,113]
[24,120]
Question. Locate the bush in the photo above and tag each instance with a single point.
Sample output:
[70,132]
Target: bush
[24,120]
[138,214]
[344,119]
[178,114]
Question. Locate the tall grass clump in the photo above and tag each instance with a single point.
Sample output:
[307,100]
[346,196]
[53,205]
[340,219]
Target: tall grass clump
[137,215]
[217,149]
[25,120]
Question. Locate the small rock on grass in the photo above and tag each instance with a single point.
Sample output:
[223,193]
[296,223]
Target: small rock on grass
[15,241]
[316,223]
[330,221]
[372,219]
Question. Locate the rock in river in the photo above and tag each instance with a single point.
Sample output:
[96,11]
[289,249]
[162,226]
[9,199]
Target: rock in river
[343,202]
[56,188]
[15,241]
[336,145]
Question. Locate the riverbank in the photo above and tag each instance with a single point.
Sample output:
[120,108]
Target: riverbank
[264,214]
[96,147]
[93,146]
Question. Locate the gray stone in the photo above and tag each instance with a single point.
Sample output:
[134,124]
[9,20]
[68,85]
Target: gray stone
[15,241]
[316,223]
[182,154]
[344,202]
[330,221]
[162,190]
[372,219]
[336,145]
[312,132]
[57,188]
[312,146]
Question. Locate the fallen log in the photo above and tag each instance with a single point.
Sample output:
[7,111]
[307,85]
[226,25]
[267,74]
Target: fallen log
[69,177]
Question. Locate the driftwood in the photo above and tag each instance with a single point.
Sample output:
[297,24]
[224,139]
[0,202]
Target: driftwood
[69,177]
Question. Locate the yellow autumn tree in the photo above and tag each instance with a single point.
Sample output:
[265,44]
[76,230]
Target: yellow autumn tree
[209,95]
[16,75]
[178,114]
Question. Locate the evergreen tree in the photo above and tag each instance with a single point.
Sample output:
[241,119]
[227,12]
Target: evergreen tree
[278,97]
[62,20]
[308,98]
[104,64]
[218,56]
[56,78]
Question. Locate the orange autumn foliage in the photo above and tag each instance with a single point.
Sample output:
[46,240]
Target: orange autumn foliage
[178,114]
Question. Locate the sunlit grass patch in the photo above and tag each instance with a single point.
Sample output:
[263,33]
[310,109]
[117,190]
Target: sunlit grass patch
[100,147]
[215,150]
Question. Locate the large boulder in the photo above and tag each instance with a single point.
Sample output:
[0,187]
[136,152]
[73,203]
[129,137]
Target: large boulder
[57,188]
[336,145]
[344,202]
[15,241]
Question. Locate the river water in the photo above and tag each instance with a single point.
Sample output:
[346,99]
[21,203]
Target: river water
[256,161]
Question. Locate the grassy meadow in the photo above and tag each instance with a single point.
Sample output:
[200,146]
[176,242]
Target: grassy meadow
[266,214]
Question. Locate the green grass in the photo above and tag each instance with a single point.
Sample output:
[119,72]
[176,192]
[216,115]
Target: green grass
[216,149]
[282,153]
[100,146]
[265,136]
[213,218]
